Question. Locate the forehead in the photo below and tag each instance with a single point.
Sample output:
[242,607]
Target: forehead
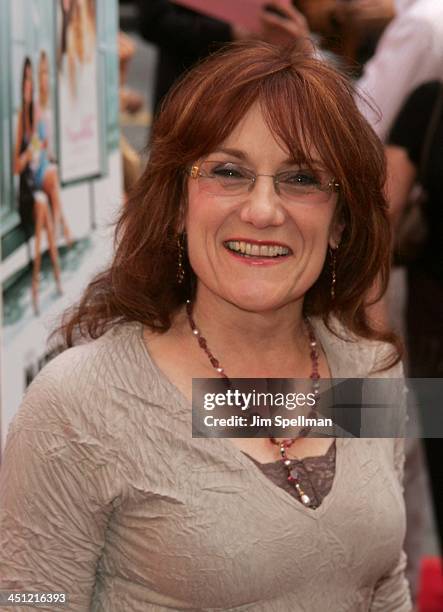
[254,139]
[253,136]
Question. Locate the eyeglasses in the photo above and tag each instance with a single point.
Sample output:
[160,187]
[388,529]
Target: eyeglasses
[221,178]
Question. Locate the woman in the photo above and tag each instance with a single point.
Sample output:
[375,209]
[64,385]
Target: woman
[134,513]
[46,175]
[34,213]
[77,43]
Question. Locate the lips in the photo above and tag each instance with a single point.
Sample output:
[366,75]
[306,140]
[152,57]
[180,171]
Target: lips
[258,248]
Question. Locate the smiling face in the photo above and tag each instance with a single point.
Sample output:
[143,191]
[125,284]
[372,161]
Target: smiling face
[259,250]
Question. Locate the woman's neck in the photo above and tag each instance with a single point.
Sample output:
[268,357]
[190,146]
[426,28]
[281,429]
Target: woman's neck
[252,344]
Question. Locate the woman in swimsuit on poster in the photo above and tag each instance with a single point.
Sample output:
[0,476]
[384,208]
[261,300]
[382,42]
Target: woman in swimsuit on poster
[34,211]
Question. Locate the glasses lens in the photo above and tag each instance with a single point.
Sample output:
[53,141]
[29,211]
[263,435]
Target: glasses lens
[304,185]
[224,178]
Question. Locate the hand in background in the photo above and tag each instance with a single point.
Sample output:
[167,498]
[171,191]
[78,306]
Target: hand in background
[279,30]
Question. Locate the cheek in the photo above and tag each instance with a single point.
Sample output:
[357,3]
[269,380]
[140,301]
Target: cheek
[205,215]
[314,225]
[202,221]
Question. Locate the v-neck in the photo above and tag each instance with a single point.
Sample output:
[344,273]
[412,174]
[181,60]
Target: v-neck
[234,452]
[260,477]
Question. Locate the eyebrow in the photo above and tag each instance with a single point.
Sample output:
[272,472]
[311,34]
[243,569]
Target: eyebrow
[239,154]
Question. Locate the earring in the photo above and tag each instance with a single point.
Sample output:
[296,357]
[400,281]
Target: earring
[333,255]
[180,256]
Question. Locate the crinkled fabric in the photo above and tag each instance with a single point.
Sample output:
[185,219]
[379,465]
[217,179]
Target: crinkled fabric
[105,495]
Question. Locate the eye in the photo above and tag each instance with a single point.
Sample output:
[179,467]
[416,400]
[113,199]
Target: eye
[299,178]
[228,171]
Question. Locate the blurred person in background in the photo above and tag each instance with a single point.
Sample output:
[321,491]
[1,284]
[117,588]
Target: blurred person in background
[409,52]
[423,111]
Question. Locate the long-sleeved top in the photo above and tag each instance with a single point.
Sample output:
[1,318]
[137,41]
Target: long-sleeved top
[105,495]
[409,53]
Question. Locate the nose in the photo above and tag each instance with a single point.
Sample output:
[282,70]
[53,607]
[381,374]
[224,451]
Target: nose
[262,206]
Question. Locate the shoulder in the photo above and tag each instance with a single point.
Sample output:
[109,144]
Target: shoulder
[351,356]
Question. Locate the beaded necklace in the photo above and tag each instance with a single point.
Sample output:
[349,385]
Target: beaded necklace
[292,473]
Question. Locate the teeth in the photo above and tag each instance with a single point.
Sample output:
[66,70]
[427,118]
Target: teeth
[255,250]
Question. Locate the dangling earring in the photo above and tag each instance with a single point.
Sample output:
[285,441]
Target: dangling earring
[180,256]
[332,253]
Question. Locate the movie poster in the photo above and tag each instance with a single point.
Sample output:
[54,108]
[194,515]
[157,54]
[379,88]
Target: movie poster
[54,237]
[78,95]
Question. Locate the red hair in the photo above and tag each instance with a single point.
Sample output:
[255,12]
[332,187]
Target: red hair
[305,102]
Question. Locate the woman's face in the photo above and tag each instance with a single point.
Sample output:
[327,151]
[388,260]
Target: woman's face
[27,85]
[298,230]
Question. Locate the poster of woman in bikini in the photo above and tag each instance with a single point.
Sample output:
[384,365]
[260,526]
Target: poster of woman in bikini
[78,95]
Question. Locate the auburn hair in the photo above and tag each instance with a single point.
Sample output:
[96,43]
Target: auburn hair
[307,105]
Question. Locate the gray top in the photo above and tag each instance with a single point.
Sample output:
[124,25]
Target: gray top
[105,495]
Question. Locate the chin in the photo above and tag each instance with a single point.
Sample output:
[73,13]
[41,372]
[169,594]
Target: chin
[255,299]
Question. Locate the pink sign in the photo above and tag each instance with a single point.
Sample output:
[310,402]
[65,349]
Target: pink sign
[244,13]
